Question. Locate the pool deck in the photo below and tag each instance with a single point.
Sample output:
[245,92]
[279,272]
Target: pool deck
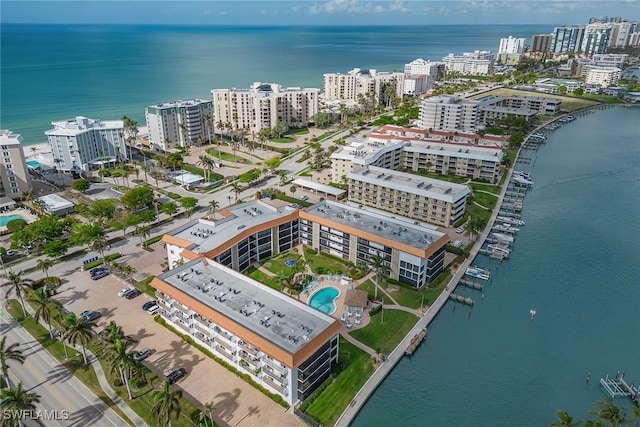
[24,213]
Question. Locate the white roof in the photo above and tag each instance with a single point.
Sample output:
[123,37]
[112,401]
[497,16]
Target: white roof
[53,202]
[319,187]
[467,152]
[188,178]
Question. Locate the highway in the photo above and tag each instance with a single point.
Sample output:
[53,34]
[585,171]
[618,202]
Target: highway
[59,390]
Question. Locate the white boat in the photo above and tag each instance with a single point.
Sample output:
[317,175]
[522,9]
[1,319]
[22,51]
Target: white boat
[509,227]
[504,237]
[511,221]
[522,180]
[498,248]
[478,273]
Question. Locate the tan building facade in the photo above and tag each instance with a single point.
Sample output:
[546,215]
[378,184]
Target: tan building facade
[14,172]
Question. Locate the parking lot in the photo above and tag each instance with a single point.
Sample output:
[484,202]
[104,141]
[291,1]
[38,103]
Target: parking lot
[236,402]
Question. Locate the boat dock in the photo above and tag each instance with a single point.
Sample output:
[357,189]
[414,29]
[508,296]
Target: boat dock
[618,387]
[415,342]
[461,299]
[471,284]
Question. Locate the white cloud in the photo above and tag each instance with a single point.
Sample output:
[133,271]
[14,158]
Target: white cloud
[357,6]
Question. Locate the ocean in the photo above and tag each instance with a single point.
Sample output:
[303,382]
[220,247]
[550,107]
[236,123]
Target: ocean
[576,262]
[55,72]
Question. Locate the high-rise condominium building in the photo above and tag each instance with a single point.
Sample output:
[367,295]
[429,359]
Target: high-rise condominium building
[86,144]
[14,173]
[621,34]
[262,106]
[179,123]
[420,66]
[541,42]
[449,113]
[567,39]
[469,63]
[359,83]
[603,76]
[512,45]
[419,76]
[596,38]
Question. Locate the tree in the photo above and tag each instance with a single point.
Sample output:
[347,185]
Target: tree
[214,205]
[121,361]
[166,403]
[293,190]
[18,285]
[562,89]
[189,204]
[81,185]
[474,227]
[564,420]
[169,208]
[78,330]
[85,234]
[14,401]
[41,299]
[100,244]
[9,352]
[608,412]
[578,91]
[104,208]
[273,163]
[206,414]
[378,266]
[138,198]
[236,189]
[16,225]
[44,265]
[280,128]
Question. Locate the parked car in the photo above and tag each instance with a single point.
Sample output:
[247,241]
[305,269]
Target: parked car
[90,315]
[100,274]
[142,354]
[154,310]
[174,376]
[134,293]
[124,291]
[460,230]
[304,198]
[11,252]
[147,305]
[96,270]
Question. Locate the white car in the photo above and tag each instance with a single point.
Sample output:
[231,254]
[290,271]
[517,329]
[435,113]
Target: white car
[460,230]
[125,291]
[154,310]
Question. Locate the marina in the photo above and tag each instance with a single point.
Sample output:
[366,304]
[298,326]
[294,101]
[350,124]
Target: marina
[619,387]
[415,342]
[462,299]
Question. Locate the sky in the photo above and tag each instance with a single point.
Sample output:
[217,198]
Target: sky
[315,12]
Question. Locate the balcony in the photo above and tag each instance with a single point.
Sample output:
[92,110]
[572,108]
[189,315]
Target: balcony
[272,383]
[181,326]
[164,305]
[249,349]
[207,333]
[253,361]
[224,352]
[277,366]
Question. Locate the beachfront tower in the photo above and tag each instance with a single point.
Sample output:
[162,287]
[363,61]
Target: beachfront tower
[14,174]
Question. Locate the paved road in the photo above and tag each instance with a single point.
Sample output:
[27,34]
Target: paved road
[59,390]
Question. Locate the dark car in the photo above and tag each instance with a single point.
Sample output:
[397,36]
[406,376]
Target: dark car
[147,305]
[97,270]
[176,375]
[134,293]
[99,275]
[90,315]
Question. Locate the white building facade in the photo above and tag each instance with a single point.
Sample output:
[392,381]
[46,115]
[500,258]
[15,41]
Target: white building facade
[86,144]
[511,45]
[596,38]
[469,63]
[262,106]
[14,173]
[359,83]
[603,76]
[179,124]
[449,113]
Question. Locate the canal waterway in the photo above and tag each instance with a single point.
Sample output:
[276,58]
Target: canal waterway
[576,262]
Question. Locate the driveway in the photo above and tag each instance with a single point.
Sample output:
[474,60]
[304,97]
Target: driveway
[237,403]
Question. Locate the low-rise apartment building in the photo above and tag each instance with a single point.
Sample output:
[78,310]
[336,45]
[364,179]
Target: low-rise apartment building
[603,76]
[425,199]
[86,144]
[449,113]
[262,106]
[14,172]
[179,124]
[539,104]
[282,344]
[256,230]
[365,152]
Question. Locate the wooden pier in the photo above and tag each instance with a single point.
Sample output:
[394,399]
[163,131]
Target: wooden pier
[618,387]
[415,342]
[471,284]
[461,299]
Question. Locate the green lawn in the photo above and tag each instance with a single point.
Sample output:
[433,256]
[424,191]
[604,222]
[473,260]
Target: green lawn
[486,200]
[227,157]
[298,131]
[435,288]
[495,189]
[404,296]
[385,330]
[477,211]
[144,286]
[322,263]
[198,171]
[607,99]
[277,265]
[261,277]
[356,366]
[283,140]
[369,286]
[450,178]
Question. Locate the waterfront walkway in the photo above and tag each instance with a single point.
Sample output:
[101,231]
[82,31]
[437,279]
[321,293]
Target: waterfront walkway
[394,357]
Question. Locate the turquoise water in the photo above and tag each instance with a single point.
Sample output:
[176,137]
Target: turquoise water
[5,219]
[34,163]
[55,72]
[324,300]
[577,262]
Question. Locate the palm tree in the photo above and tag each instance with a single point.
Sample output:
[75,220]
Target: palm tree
[100,244]
[564,420]
[16,400]
[166,402]
[204,162]
[205,414]
[41,299]
[378,266]
[213,207]
[18,285]
[112,332]
[44,265]
[236,189]
[608,412]
[9,352]
[475,225]
[120,360]
[78,331]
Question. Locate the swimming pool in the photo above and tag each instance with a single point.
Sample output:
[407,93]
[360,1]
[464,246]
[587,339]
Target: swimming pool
[324,300]
[5,219]
[34,164]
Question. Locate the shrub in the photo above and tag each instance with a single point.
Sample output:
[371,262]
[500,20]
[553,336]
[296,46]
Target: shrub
[16,225]
[98,262]
[174,196]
